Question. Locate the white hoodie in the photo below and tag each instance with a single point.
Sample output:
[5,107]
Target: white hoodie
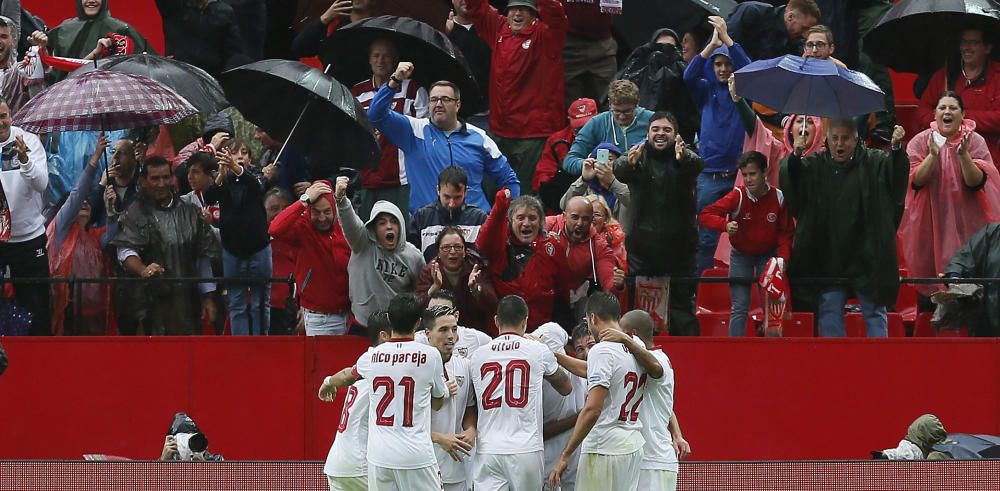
[24,185]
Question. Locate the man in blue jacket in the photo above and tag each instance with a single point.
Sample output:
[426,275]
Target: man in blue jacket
[430,145]
[721,134]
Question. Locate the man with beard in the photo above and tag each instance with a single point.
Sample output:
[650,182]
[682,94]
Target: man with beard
[590,261]
[309,227]
[450,210]
[162,236]
[383,264]
[15,77]
[661,174]
[847,202]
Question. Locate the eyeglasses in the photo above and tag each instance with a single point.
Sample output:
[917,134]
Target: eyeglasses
[624,111]
[970,42]
[442,99]
[452,248]
[817,45]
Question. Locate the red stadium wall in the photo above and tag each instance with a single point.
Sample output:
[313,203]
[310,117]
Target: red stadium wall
[752,399]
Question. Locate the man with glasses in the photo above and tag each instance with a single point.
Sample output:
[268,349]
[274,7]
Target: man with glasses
[429,145]
[977,81]
[819,44]
[388,181]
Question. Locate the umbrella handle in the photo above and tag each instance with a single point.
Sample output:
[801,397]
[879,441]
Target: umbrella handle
[292,132]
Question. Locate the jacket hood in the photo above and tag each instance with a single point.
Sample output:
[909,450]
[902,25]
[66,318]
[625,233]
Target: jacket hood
[659,32]
[611,147]
[720,51]
[102,13]
[968,126]
[926,431]
[818,141]
[383,206]
[218,122]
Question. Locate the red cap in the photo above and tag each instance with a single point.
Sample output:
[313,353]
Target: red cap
[580,111]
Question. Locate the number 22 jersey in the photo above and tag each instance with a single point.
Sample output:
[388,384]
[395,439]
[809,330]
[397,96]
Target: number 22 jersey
[618,430]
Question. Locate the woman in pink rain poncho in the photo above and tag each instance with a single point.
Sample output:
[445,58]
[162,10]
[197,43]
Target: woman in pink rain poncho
[954,191]
[759,138]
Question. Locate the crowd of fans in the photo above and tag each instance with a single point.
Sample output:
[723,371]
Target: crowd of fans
[575,177]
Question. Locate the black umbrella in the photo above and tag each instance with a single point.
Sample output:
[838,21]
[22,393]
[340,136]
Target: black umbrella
[306,108]
[433,55]
[966,446]
[919,36]
[639,20]
[191,82]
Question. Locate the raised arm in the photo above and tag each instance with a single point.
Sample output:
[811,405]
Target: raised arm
[486,19]
[353,227]
[398,128]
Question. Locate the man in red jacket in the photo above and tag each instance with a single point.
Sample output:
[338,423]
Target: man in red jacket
[523,259]
[321,259]
[589,259]
[526,76]
[759,226]
[547,182]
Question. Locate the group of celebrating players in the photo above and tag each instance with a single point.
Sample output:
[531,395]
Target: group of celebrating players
[435,406]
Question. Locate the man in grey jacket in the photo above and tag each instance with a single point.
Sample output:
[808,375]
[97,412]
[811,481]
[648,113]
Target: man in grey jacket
[383,264]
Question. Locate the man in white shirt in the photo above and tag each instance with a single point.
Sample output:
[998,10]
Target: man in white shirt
[660,428]
[453,427]
[469,340]
[608,430]
[407,381]
[346,466]
[507,375]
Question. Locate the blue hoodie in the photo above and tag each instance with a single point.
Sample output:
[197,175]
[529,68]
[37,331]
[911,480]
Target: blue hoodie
[721,134]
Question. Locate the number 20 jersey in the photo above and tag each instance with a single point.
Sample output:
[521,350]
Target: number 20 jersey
[508,375]
[404,375]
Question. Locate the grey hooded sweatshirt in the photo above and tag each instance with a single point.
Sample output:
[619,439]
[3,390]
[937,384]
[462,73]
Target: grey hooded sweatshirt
[375,275]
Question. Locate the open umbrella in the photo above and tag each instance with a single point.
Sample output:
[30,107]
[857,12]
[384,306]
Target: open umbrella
[191,82]
[306,108]
[919,36]
[794,85]
[433,55]
[433,12]
[967,446]
[639,20]
[101,101]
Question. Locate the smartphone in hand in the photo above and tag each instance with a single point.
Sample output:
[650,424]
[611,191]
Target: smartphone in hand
[603,156]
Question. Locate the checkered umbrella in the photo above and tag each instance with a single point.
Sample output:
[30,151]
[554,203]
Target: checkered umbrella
[102,100]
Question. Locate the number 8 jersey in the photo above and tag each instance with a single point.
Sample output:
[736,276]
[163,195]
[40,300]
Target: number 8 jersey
[404,375]
[618,430]
[508,375]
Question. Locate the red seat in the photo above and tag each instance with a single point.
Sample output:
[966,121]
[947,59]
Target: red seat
[923,328]
[854,324]
[713,323]
[801,325]
[714,297]
[906,302]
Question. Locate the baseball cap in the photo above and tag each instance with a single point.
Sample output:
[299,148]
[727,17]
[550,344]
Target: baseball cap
[580,111]
[531,4]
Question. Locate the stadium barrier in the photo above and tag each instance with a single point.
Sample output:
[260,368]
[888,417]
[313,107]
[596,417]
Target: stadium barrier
[968,475]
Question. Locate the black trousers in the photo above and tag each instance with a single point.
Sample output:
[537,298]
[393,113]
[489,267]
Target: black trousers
[30,259]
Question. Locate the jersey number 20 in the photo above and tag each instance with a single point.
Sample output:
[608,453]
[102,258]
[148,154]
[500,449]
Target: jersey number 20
[516,370]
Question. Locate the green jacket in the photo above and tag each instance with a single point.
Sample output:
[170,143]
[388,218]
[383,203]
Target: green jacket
[980,258]
[847,215]
[663,233]
[76,37]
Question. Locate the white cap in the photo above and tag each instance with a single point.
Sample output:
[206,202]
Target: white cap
[554,336]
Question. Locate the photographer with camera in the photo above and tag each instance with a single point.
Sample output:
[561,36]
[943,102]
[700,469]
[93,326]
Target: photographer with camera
[186,442]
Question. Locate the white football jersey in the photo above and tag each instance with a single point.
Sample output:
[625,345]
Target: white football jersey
[657,409]
[448,419]
[347,454]
[618,430]
[508,374]
[469,340]
[404,375]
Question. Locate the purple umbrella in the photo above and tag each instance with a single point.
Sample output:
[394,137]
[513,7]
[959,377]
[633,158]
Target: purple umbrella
[795,85]
[100,101]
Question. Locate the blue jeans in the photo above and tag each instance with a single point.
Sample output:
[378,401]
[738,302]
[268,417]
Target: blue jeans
[241,314]
[743,266]
[831,315]
[711,188]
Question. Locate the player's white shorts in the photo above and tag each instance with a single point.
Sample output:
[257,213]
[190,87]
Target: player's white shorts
[386,479]
[599,472]
[458,486]
[517,472]
[359,483]
[658,479]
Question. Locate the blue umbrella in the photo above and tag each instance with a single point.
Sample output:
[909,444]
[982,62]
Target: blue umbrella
[795,85]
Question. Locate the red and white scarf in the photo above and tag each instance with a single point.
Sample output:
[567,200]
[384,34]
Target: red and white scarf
[607,6]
